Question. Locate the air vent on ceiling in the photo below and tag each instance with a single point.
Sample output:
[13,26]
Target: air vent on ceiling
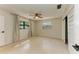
[59,6]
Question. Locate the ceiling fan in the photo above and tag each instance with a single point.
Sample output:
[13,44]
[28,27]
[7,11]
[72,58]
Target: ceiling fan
[37,15]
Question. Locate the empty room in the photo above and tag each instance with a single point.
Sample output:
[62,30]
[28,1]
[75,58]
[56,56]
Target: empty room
[39,29]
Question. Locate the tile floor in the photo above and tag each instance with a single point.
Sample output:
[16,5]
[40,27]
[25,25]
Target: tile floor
[37,45]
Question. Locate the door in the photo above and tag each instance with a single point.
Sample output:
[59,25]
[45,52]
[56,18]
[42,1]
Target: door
[24,27]
[2,31]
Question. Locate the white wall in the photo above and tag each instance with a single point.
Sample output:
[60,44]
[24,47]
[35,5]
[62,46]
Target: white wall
[76,21]
[9,25]
[63,30]
[76,26]
[73,28]
[16,29]
[33,28]
[54,32]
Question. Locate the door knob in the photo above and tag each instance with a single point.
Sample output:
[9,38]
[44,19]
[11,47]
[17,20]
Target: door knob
[3,31]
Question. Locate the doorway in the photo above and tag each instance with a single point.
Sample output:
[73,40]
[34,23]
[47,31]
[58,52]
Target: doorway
[66,30]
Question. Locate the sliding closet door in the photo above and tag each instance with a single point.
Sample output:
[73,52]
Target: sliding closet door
[2,31]
[9,27]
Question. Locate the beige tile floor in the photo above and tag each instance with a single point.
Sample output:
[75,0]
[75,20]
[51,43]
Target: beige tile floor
[37,45]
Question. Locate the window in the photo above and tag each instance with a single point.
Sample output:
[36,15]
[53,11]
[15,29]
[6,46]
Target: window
[23,24]
[47,24]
